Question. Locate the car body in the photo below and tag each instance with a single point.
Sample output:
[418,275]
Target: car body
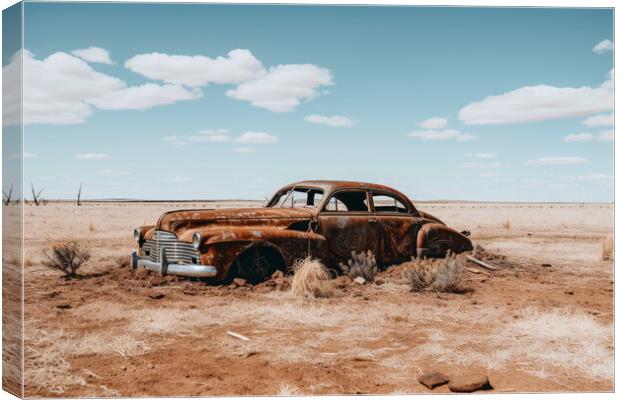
[327,220]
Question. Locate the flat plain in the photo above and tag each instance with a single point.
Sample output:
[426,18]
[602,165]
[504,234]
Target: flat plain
[542,322]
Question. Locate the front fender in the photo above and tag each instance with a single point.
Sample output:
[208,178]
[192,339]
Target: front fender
[434,240]
[220,246]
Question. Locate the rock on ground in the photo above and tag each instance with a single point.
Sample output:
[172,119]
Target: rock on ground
[433,379]
[470,383]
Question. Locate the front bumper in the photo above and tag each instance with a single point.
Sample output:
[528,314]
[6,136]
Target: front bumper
[165,268]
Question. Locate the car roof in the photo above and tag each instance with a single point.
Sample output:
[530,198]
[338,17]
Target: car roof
[330,186]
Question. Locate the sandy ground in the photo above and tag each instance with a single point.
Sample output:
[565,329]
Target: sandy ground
[543,322]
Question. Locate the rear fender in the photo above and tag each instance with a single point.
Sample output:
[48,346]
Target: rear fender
[434,240]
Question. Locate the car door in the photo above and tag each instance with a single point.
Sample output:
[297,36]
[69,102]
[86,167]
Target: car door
[397,227]
[348,224]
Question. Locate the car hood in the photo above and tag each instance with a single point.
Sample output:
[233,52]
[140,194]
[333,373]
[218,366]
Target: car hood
[187,219]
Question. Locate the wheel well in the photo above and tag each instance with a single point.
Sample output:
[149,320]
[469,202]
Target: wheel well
[271,253]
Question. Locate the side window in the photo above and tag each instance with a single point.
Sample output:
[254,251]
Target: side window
[388,204]
[348,202]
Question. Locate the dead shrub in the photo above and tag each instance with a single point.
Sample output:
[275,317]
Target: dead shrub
[507,224]
[67,257]
[362,264]
[607,249]
[438,275]
[310,279]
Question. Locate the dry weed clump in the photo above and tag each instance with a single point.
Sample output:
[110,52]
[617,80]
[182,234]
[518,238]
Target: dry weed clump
[67,257]
[363,265]
[507,224]
[439,275]
[92,227]
[607,249]
[310,279]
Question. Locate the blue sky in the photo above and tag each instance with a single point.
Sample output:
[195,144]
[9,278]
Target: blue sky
[442,103]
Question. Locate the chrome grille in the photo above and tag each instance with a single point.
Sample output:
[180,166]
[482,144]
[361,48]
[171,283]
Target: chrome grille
[176,252]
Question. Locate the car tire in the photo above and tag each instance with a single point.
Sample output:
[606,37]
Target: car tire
[255,265]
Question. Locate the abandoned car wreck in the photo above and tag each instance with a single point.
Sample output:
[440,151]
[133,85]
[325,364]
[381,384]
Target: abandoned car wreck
[328,220]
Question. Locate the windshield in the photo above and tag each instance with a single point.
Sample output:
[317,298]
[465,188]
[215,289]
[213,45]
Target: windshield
[298,198]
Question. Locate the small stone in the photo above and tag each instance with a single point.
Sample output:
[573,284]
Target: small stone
[64,306]
[569,292]
[156,296]
[546,265]
[433,379]
[359,280]
[239,282]
[470,383]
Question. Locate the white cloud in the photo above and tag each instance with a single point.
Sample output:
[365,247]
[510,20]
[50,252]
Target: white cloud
[578,137]
[538,103]
[257,138]
[92,156]
[143,97]
[333,121]
[113,172]
[25,156]
[591,178]
[482,156]
[62,89]
[599,120]
[94,55]
[605,136]
[214,136]
[446,134]
[433,123]
[481,164]
[603,47]
[244,150]
[239,66]
[283,87]
[545,161]
[490,175]
[176,140]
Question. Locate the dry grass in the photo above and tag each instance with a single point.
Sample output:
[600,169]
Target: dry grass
[607,249]
[363,265]
[311,279]
[92,227]
[67,257]
[507,224]
[554,342]
[439,275]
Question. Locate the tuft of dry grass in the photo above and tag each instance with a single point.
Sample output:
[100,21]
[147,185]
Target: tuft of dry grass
[67,257]
[310,279]
[607,249]
[92,227]
[507,224]
[439,275]
[363,265]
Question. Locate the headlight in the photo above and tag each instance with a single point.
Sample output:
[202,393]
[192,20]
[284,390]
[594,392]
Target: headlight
[137,234]
[196,240]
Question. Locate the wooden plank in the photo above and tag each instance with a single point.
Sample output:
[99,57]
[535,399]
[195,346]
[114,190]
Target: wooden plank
[476,271]
[482,263]
[238,336]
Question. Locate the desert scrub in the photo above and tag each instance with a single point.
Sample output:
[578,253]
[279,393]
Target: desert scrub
[439,275]
[507,224]
[67,257]
[363,265]
[310,279]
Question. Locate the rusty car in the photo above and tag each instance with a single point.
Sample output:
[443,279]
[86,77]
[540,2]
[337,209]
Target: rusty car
[328,220]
